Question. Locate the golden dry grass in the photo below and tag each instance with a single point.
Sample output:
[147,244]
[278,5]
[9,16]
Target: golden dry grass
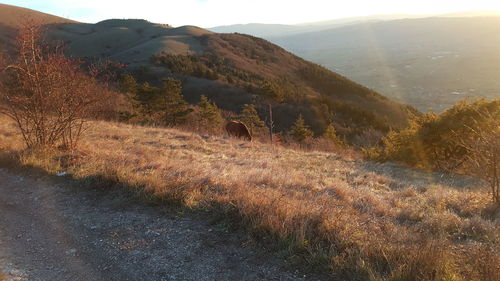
[364,221]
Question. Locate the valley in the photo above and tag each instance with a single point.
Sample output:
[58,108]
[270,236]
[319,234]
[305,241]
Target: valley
[427,62]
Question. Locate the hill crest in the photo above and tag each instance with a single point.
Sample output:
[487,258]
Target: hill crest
[11,16]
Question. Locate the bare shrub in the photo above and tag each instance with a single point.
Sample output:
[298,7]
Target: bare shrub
[483,147]
[48,95]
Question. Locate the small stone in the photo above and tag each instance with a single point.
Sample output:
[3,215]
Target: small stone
[70,251]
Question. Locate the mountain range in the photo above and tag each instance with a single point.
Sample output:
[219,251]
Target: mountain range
[278,30]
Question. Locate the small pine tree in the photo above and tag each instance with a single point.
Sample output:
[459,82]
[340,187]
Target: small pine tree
[127,84]
[170,102]
[144,98]
[300,131]
[209,116]
[273,90]
[249,116]
[331,135]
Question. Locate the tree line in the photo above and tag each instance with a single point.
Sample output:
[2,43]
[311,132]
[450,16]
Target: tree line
[166,106]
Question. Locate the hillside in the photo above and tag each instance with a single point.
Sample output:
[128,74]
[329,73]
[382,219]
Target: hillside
[429,63]
[360,220]
[11,18]
[130,41]
[234,69]
[12,15]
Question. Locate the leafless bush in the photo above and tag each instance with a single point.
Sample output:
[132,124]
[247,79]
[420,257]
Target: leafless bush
[483,151]
[47,94]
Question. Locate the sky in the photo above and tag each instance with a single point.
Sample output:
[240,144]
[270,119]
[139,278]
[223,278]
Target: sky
[210,13]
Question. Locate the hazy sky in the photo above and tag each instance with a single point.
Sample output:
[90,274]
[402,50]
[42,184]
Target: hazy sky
[209,13]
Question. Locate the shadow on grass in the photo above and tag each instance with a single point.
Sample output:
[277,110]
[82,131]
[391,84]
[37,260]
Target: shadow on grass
[418,178]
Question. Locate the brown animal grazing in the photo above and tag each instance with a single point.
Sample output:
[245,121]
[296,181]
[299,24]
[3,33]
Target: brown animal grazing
[238,129]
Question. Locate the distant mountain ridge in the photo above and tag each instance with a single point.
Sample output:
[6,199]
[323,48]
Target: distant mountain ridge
[268,31]
[277,30]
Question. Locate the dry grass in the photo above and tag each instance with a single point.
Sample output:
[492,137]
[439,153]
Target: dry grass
[362,220]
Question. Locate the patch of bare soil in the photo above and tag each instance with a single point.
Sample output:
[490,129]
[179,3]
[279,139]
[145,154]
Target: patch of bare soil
[54,231]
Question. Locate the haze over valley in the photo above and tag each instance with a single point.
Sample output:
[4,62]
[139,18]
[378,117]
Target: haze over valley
[427,62]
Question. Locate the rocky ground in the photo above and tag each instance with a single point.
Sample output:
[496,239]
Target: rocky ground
[52,230]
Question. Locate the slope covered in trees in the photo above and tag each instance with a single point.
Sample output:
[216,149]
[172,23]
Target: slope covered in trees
[265,73]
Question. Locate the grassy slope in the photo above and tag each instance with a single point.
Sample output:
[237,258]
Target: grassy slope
[130,41]
[12,16]
[363,220]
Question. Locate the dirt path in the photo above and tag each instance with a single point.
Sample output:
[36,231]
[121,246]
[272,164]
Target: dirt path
[51,231]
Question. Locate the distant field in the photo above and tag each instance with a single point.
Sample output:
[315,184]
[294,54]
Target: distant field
[360,220]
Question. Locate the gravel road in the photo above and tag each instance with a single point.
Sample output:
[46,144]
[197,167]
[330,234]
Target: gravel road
[50,230]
